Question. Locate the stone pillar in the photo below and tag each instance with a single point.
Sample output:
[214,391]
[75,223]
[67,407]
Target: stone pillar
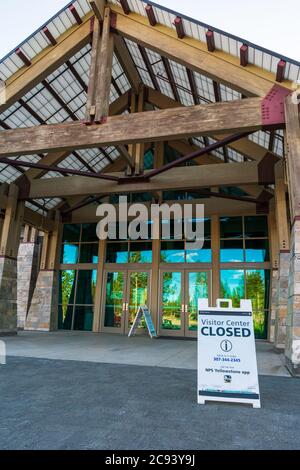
[28,258]
[282,300]
[292,349]
[283,231]
[10,239]
[274,288]
[42,315]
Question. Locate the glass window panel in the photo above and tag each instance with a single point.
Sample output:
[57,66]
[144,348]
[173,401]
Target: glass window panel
[200,256]
[171,301]
[141,197]
[140,252]
[207,226]
[117,253]
[86,287]
[114,300]
[69,254]
[66,287]
[257,251]
[260,321]
[71,233]
[258,288]
[168,228]
[89,233]
[149,160]
[232,251]
[198,289]
[65,316]
[138,295]
[172,252]
[231,227]
[89,253]
[233,286]
[83,318]
[256,227]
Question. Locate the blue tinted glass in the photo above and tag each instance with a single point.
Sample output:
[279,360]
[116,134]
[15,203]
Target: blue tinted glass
[233,286]
[257,251]
[89,253]
[140,253]
[71,233]
[200,256]
[172,252]
[89,233]
[86,287]
[69,254]
[256,226]
[117,253]
[231,227]
[232,251]
[83,318]
[65,316]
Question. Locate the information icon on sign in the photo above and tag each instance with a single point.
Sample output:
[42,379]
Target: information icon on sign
[226,346]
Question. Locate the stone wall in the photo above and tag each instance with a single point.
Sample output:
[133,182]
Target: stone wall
[41,315]
[292,350]
[282,299]
[8,295]
[274,296]
[28,258]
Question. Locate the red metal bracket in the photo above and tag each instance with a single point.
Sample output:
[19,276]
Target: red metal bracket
[273,108]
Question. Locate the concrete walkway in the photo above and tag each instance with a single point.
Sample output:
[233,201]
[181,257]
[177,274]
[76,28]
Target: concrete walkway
[54,404]
[115,349]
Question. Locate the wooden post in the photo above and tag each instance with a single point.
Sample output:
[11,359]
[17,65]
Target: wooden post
[215,246]
[8,230]
[91,105]
[98,297]
[139,149]
[105,70]
[155,299]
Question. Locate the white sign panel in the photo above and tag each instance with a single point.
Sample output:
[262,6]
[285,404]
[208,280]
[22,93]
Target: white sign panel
[227,366]
[143,312]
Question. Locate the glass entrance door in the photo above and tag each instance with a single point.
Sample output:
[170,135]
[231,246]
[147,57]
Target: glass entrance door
[178,307]
[196,287]
[124,293]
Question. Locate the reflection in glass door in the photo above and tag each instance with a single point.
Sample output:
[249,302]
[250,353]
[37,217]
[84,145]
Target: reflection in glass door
[138,295]
[180,292]
[171,305]
[197,288]
[125,292]
[114,300]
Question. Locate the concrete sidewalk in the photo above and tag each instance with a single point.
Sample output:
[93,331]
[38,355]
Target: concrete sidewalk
[53,404]
[117,349]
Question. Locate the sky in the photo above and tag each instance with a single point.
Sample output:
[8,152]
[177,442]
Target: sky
[273,24]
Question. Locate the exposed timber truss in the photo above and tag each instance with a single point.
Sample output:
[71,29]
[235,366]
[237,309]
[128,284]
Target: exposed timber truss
[88,105]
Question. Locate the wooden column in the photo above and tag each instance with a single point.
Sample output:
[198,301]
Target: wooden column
[283,231]
[9,245]
[155,299]
[98,297]
[292,345]
[274,273]
[215,245]
[100,71]
[140,147]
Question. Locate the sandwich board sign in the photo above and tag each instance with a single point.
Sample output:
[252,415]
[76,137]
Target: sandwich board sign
[143,312]
[227,365]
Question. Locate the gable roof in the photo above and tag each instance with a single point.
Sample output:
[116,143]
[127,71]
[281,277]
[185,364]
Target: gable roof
[61,96]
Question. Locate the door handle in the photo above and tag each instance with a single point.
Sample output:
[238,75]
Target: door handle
[186,309]
[182,308]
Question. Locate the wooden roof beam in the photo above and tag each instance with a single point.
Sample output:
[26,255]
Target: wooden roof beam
[98,7]
[190,177]
[220,118]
